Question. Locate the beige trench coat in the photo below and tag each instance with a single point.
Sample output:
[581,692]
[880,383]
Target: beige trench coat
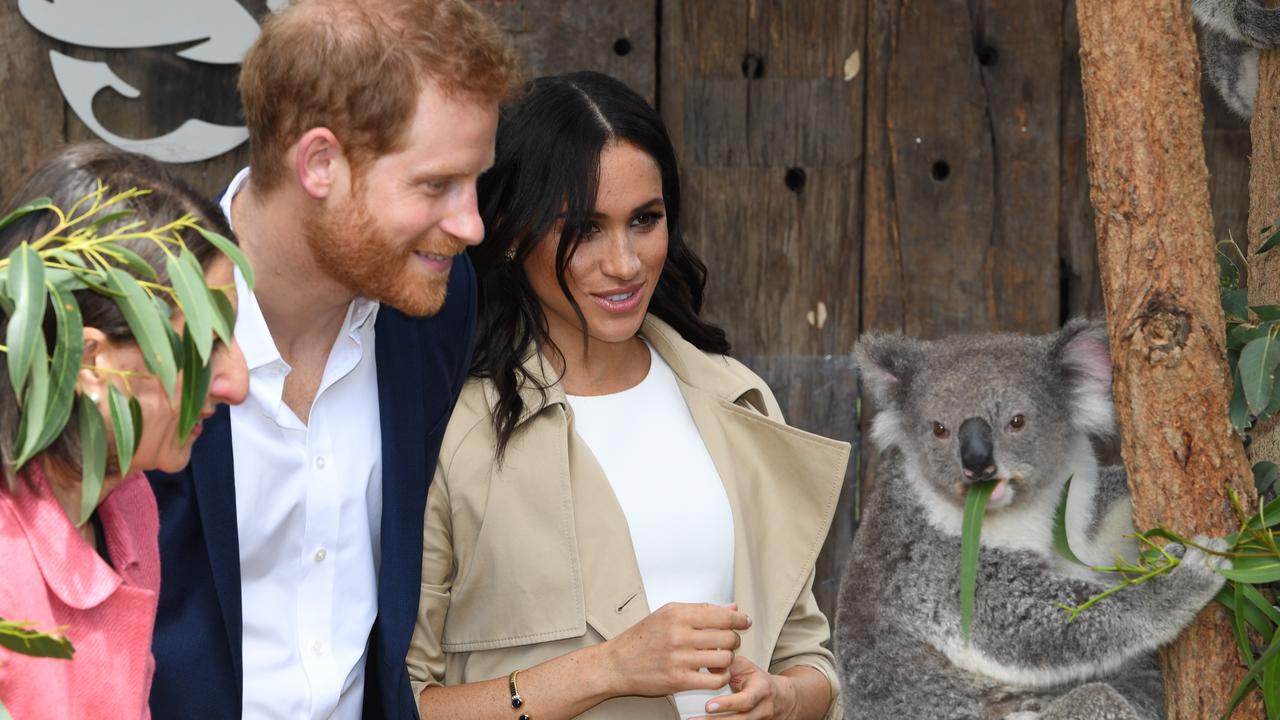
[532,559]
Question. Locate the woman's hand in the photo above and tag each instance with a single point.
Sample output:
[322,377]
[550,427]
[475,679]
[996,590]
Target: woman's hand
[665,652]
[757,695]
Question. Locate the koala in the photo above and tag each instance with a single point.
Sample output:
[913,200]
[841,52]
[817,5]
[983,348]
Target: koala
[1018,410]
[1233,31]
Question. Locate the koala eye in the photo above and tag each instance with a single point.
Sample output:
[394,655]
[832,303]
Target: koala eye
[940,430]
[1018,422]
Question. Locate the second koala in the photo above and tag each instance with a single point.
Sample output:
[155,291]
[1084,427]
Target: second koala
[1019,410]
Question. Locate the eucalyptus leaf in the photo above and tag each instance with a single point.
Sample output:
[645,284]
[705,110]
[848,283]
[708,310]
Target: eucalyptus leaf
[1267,570]
[35,406]
[1271,690]
[122,427]
[1258,363]
[196,376]
[1269,243]
[131,260]
[193,296]
[1254,616]
[1236,303]
[1264,476]
[149,331]
[25,287]
[1060,540]
[224,315]
[68,351]
[1269,656]
[1239,408]
[93,456]
[36,205]
[135,411]
[230,249]
[23,639]
[1228,273]
[1242,334]
[1266,312]
[975,507]
[1238,624]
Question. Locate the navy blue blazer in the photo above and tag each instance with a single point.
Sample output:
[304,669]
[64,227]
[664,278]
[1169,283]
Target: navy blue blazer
[422,363]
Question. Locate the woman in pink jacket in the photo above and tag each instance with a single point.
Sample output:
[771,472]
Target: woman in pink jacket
[97,581]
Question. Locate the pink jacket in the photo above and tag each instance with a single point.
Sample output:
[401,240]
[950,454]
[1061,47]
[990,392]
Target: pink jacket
[49,575]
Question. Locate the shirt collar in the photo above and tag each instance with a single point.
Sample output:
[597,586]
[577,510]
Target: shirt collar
[70,566]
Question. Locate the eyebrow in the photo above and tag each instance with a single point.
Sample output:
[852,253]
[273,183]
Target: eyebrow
[654,204]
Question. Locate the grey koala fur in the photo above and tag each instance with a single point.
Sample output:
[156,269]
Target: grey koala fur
[898,639]
[1232,33]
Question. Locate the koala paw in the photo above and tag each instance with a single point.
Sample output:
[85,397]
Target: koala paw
[1022,715]
[1198,570]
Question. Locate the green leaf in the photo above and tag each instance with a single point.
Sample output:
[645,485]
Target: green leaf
[1254,571]
[4,712]
[1264,475]
[1239,407]
[34,206]
[1270,685]
[1257,619]
[1236,303]
[150,330]
[26,288]
[68,351]
[93,456]
[1238,622]
[1266,312]
[1060,541]
[1244,333]
[224,315]
[1269,243]
[975,507]
[230,249]
[193,295]
[35,405]
[1228,273]
[134,261]
[1258,363]
[135,411]
[196,376]
[23,639]
[122,427]
[1255,671]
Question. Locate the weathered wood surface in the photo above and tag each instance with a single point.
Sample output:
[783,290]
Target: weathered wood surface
[1149,185]
[31,109]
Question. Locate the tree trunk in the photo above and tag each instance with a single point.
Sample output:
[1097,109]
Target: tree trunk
[1264,210]
[1150,191]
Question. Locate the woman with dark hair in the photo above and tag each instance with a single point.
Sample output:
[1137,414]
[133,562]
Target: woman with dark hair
[620,525]
[97,581]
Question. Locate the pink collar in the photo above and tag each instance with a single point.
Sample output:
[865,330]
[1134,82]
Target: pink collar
[71,567]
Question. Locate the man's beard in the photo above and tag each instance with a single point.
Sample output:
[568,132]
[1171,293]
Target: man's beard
[349,245]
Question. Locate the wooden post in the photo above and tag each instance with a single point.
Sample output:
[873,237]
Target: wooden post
[1150,191]
[1264,210]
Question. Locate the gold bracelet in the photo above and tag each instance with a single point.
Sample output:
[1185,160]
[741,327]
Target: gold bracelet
[516,700]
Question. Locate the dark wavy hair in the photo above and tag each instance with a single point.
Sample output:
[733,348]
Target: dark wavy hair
[547,168]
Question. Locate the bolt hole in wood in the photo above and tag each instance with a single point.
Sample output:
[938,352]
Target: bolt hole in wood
[622,47]
[987,55]
[940,171]
[752,67]
[795,180]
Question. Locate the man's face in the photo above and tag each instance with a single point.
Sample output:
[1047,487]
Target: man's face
[393,237]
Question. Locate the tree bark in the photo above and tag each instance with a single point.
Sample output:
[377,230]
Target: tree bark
[1264,210]
[1150,191]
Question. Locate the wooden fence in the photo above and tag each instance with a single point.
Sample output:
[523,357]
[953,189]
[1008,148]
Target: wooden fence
[849,165]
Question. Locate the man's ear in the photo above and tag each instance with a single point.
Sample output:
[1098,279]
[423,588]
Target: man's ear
[320,164]
[1083,358]
[89,380]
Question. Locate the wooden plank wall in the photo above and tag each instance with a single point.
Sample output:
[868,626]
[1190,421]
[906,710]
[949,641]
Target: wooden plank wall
[913,165]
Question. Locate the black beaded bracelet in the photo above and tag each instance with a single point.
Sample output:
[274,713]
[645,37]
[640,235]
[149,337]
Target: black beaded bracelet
[516,700]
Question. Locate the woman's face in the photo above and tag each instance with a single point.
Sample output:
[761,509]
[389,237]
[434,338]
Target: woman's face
[160,448]
[615,269]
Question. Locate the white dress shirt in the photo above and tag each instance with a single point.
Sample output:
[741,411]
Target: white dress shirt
[677,511]
[309,517]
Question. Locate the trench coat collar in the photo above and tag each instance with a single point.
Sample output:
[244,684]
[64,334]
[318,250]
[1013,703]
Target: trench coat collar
[782,484]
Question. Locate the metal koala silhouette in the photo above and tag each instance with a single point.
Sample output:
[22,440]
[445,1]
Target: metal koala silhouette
[222,29]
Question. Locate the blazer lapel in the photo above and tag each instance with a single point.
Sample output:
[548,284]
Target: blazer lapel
[213,475]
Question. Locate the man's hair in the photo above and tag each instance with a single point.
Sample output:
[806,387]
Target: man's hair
[357,68]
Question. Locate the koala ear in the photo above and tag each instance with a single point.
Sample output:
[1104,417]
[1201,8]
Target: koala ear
[1083,357]
[888,363]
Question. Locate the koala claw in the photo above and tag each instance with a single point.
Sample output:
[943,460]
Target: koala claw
[1022,715]
[1214,562]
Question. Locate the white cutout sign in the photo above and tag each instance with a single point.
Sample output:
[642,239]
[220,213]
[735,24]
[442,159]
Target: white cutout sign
[223,29]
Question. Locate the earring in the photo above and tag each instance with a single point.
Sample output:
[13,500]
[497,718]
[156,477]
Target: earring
[511,253]
[93,397]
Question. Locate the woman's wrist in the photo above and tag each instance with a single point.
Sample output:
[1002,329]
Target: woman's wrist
[785,702]
[601,674]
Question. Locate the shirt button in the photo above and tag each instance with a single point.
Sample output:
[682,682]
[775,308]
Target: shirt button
[317,648]
[320,462]
[321,555]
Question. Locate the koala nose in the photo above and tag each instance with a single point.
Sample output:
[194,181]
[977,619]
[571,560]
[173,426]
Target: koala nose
[977,450]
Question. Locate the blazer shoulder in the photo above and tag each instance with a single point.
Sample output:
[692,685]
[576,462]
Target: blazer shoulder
[470,423]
